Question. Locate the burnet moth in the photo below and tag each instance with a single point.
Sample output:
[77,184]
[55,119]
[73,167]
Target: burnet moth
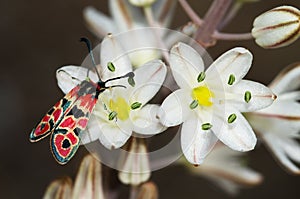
[69,117]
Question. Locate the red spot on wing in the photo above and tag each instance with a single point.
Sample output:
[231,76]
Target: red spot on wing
[46,118]
[88,102]
[57,114]
[73,92]
[58,104]
[58,143]
[82,123]
[68,122]
[39,130]
[59,139]
[72,137]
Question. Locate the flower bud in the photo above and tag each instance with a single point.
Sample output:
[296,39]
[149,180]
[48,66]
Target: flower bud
[135,166]
[277,27]
[141,3]
[59,189]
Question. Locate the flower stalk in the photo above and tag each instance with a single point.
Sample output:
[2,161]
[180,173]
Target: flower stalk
[211,21]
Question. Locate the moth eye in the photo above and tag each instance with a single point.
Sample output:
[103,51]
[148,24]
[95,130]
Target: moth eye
[66,144]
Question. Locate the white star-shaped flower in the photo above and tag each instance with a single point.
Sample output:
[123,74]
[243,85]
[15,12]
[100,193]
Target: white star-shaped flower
[119,111]
[279,124]
[210,103]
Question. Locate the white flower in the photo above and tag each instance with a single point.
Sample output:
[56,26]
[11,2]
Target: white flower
[114,131]
[227,169]
[209,104]
[126,17]
[279,124]
[277,27]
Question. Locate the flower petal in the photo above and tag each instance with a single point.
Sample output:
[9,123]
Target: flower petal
[223,161]
[236,62]
[186,64]
[70,76]
[112,51]
[291,148]
[273,142]
[113,135]
[141,50]
[283,109]
[238,134]
[261,96]
[275,124]
[175,108]
[148,80]
[195,142]
[287,80]
[125,15]
[145,121]
[98,23]
[163,11]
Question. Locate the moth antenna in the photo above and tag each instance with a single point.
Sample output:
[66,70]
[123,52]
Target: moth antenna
[89,46]
[122,86]
[130,74]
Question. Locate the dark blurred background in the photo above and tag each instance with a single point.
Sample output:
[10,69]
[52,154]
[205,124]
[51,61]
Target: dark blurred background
[37,37]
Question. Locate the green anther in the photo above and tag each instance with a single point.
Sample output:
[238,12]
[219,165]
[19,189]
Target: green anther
[231,118]
[131,81]
[201,77]
[247,96]
[111,67]
[231,79]
[194,104]
[206,126]
[135,105]
[112,115]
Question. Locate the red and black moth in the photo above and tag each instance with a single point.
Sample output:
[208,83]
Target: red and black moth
[69,117]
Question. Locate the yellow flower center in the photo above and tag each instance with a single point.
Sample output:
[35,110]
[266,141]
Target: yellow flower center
[203,95]
[121,107]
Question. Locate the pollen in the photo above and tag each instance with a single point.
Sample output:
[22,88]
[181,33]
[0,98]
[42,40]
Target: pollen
[203,95]
[121,107]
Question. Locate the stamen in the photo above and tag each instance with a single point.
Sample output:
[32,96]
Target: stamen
[231,79]
[112,115]
[194,104]
[206,126]
[231,118]
[247,96]
[201,77]
[131,81]
[111,67]
[135,105]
